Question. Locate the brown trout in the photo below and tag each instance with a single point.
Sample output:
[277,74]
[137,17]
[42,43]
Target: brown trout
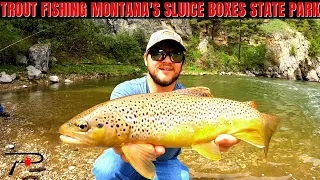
[189,117]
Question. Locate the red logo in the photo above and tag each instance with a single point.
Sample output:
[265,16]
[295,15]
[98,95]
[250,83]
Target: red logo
[27,161]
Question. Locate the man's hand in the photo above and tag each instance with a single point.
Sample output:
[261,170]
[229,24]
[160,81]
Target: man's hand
[225,141]
[158,150]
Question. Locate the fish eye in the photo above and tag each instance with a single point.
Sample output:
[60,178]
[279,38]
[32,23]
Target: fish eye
[83,125]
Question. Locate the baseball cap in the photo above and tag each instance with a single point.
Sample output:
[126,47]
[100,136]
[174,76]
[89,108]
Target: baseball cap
[165,34]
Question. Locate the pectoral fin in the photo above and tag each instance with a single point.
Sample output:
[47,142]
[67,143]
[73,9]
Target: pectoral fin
[209,150]
[140,156]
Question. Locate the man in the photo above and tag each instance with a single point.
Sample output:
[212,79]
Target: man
[164,58]
[3,113]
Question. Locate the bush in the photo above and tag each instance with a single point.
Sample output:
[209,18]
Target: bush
[11,44]
[292,51]
[314,47]
[252,57]
[123,48]
[276,25]
[216,60]
[192,53]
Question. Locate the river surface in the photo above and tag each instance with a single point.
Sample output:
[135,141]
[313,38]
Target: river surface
[294,151]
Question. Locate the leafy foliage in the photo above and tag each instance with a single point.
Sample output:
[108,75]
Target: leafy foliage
[73,41]
[9,36]
[83,42]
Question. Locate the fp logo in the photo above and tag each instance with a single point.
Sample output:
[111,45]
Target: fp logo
[27,160]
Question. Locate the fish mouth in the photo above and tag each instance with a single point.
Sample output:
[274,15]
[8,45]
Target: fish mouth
[71,140]
[78,139]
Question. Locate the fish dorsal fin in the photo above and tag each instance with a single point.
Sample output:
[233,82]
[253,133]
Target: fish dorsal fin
[196,91]
[252,104]
[140,156]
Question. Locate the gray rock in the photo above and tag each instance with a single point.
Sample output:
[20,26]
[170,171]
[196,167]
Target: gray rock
[318,71]
[54,79]
[203,45]
[71,168]
[21,60]
[10,146]
[6,78]
[312,76]
[67,81]
[53,59]
[39,55]
[33,73]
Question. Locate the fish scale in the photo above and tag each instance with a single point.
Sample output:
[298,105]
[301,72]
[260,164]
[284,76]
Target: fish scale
[189,117]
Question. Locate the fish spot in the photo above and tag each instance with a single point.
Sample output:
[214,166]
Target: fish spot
[117,125]
[99,125]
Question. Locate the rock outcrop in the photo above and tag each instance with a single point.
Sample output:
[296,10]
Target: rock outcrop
[288,58]
[148,26]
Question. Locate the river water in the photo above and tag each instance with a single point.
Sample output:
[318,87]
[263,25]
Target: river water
[294,151]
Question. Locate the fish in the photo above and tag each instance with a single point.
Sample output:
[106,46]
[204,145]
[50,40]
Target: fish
[189,117]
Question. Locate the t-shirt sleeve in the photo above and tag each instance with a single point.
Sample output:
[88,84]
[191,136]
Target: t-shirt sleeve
[122,89]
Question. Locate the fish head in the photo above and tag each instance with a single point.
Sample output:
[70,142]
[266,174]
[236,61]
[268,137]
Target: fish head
[92,128]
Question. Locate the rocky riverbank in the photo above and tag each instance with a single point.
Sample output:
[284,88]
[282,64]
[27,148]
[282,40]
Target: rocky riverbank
[24,82]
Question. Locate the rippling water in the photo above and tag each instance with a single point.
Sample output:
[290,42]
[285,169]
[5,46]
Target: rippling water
[294,150]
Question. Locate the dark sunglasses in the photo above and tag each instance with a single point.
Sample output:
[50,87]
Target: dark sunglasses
[160,55]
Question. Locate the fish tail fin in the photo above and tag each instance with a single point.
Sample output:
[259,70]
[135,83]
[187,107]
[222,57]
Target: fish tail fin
[270,125]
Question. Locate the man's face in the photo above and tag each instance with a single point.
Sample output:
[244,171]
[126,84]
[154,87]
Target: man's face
[164,72]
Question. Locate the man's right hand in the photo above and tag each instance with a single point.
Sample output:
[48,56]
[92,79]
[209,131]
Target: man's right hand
[158,150]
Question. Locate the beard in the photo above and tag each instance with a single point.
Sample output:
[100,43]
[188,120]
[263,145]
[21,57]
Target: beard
[163,83]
